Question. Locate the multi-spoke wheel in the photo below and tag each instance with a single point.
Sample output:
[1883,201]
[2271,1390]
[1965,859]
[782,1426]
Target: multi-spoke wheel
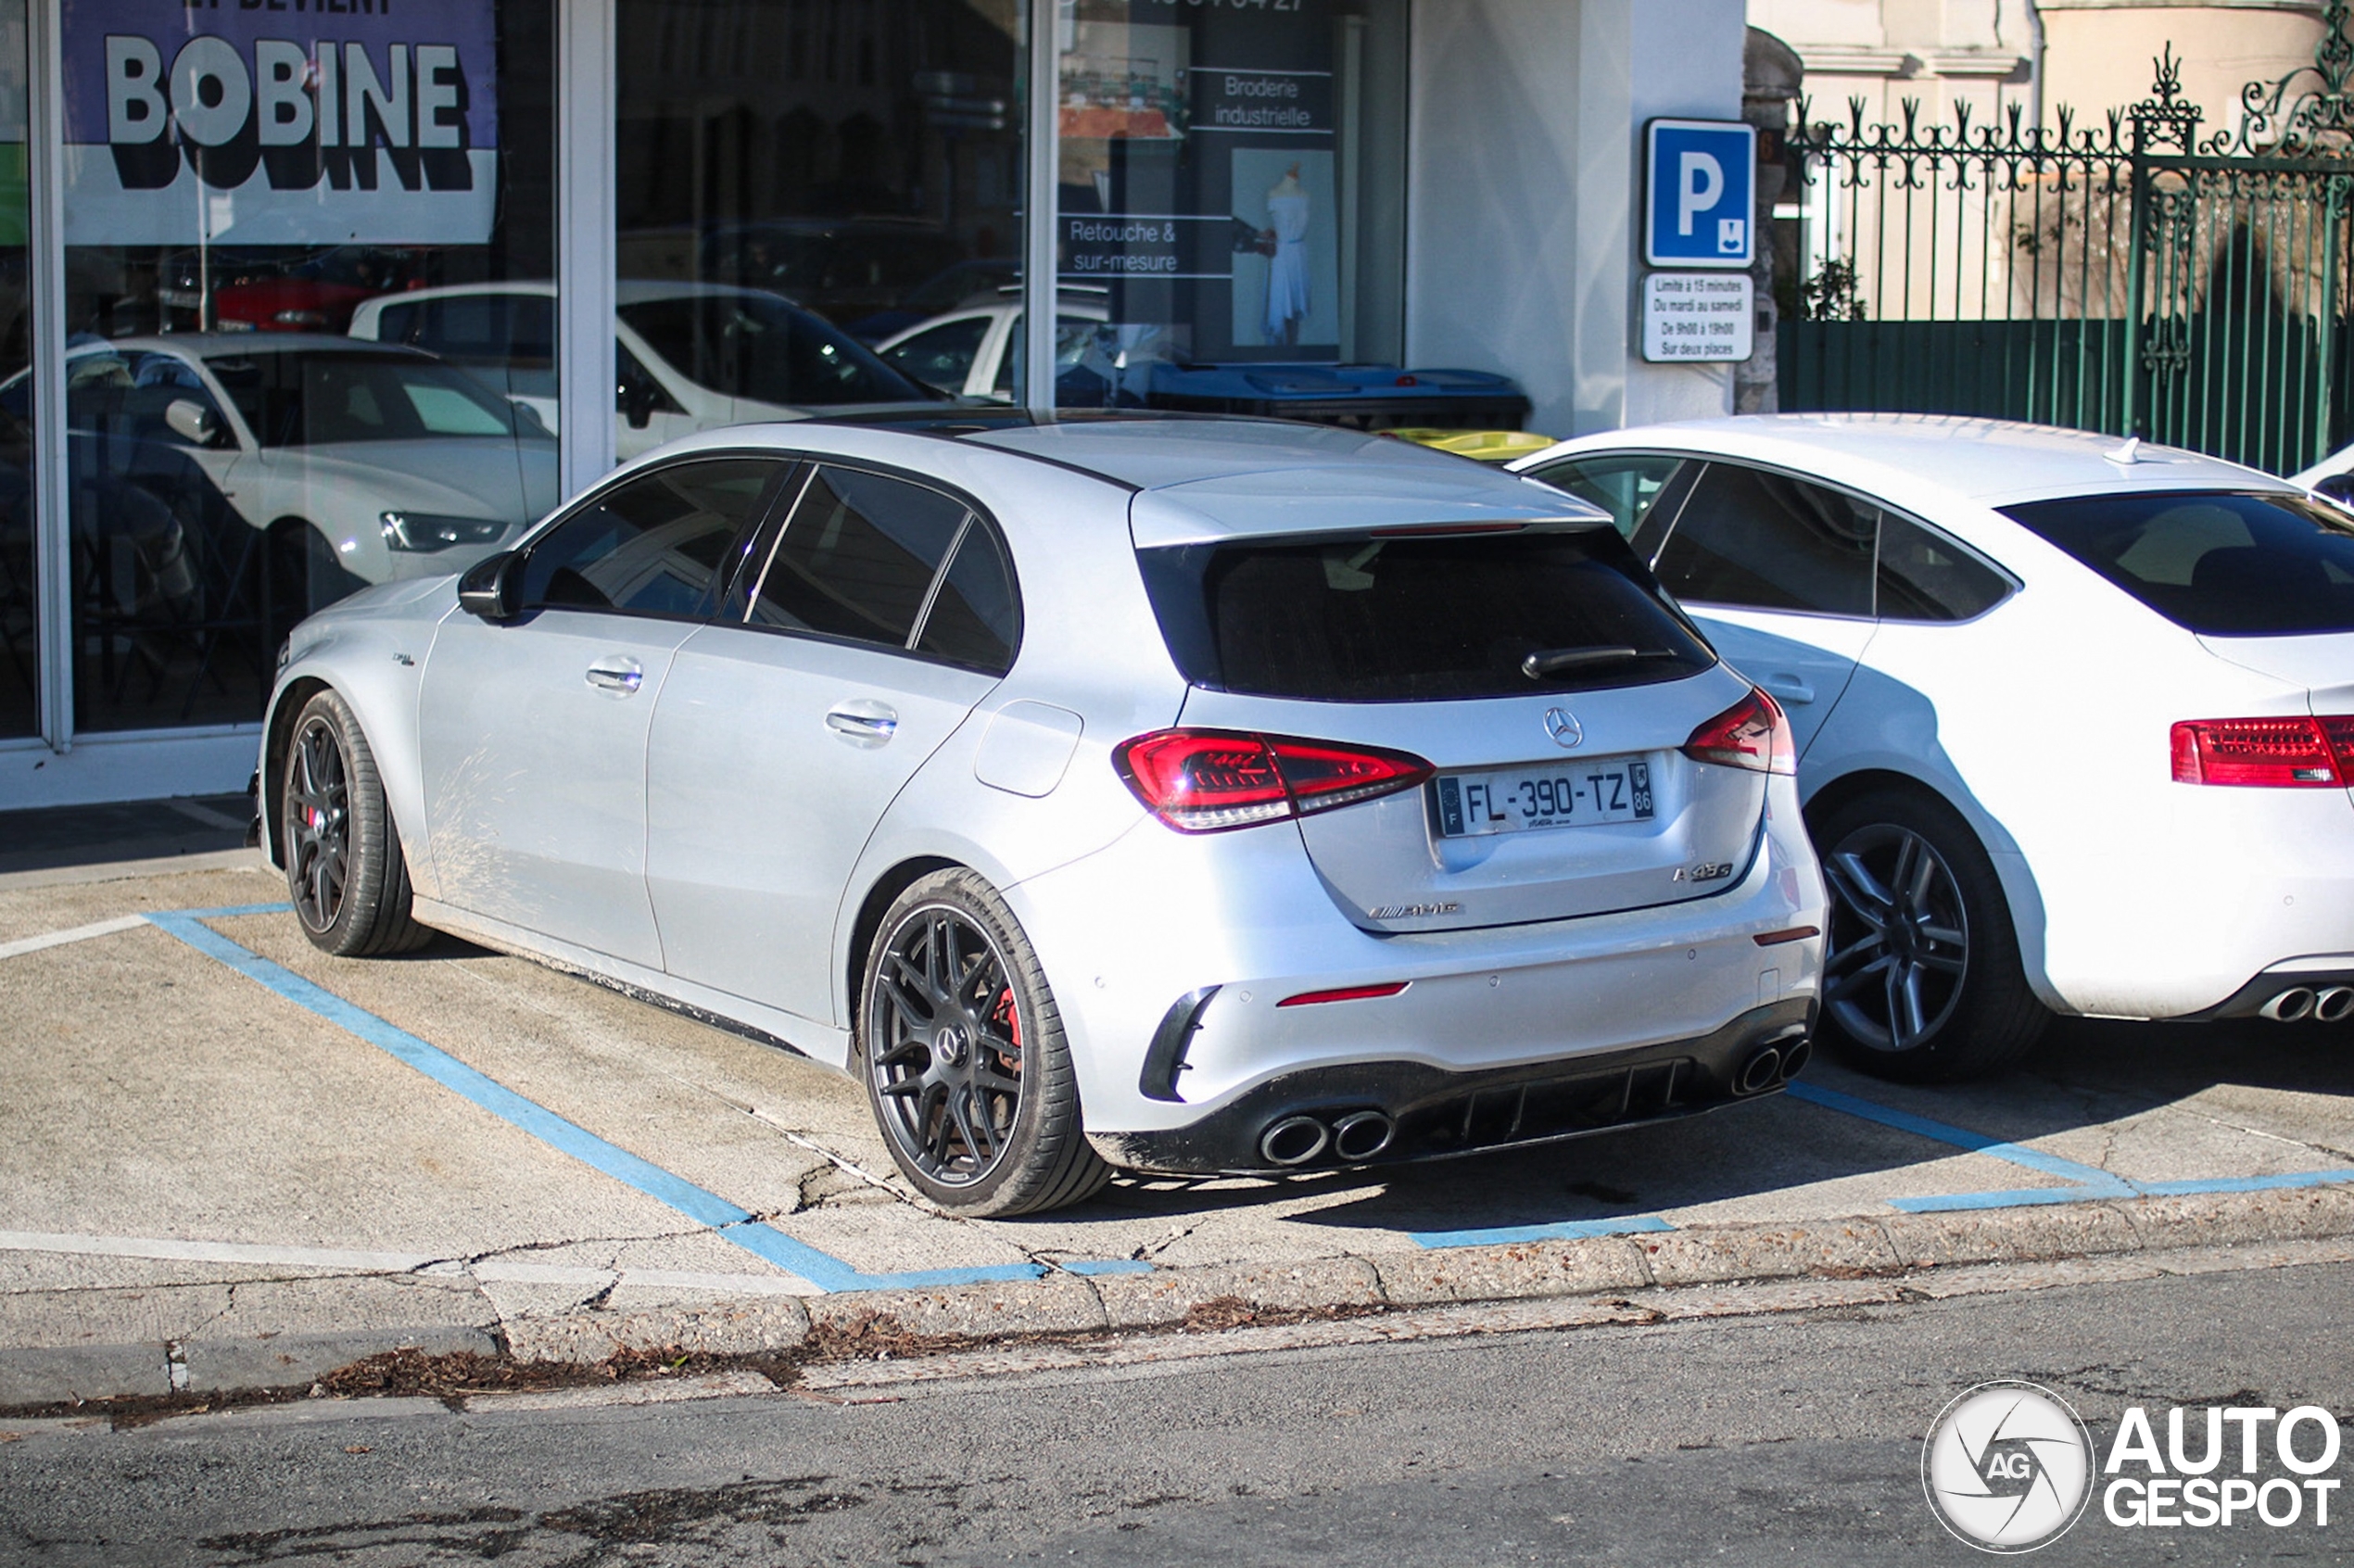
[345,869]
[964,1058]
[1921,975]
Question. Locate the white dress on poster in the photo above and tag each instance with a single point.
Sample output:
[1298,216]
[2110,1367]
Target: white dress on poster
[1288,300]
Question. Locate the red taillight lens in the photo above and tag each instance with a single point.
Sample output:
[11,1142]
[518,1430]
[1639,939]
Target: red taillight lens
[2279,754]
[1751,734]
[1203,781]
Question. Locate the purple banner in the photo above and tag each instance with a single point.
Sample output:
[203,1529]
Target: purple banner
[280,122]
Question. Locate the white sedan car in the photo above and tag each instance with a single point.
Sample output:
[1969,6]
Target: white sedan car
[359,462]
[970,350]
[689,356]
[2075,716]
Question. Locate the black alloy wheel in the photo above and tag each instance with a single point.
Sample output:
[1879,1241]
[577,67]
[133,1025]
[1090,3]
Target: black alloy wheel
[947,1057]
[1921,974]
[318,822]
[961,1048]
[346,873]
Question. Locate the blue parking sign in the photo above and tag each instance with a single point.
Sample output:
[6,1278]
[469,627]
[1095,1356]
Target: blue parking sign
[1698,203]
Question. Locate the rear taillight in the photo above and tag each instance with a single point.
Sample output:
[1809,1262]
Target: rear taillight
[1203,781]
[1751,734]
[2279,754]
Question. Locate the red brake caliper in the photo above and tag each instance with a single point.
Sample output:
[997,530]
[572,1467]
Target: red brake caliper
[1012,1020]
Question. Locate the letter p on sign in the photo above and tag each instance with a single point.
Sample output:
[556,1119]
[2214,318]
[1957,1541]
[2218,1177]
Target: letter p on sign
[1701,181]
[1699,189]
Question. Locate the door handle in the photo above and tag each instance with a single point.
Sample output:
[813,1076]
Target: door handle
[1788,688]
[863,723]
[622,676]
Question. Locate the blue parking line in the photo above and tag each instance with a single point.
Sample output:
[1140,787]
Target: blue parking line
[2087,1182]
[725,1219]
[1566,1230]
[1960,1137]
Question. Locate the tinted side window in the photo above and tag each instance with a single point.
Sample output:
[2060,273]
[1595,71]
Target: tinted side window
[1625,487]
[975,619]
[1766,541]
[2269,564]
[857,558]
[658,545]
[1925,576]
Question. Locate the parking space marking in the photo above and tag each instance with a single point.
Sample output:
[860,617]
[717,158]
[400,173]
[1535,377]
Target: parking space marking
[1567,1230]
[740,1226]
[23,946]
[171,1249]
[2087,1182]
[495,1270]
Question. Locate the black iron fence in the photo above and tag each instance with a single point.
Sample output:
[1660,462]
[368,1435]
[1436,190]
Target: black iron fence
[2136,276]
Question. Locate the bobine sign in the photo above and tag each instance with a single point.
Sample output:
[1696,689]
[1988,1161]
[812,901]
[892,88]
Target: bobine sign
[280,122]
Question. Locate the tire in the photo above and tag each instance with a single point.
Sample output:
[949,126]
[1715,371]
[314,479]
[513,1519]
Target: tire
[988,1123]
[345,869]
[1922,981]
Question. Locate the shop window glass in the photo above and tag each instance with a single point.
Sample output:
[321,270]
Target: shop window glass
[943,355]
[246,206]
[20,601]
[1231,185]
[799,182]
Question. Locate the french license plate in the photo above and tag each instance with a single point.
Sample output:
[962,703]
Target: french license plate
[1561,795]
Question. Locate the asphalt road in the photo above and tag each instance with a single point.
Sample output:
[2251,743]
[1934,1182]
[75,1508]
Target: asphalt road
[1793,1438]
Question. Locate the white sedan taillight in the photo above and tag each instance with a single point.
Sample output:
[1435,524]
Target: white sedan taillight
[2294,752]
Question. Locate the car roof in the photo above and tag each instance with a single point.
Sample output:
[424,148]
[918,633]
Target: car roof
[1986,462]
[1207,478]
[236,345]
[628,291]
[1202,477]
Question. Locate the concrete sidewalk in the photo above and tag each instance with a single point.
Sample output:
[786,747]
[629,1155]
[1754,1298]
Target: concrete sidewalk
[233,1162]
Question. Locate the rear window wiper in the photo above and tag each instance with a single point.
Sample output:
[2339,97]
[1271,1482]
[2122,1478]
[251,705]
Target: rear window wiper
[1553,661]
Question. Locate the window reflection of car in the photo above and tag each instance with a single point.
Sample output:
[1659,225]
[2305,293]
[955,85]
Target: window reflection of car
[362,462]
[844,268]
[689,357]
[943,291]
[286,288]
[972,350]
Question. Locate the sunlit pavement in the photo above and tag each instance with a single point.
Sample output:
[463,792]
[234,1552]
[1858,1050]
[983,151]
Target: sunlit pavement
[219,1136]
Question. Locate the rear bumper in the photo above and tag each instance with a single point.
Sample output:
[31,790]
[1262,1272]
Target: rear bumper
[2282,985]
[1434,1113]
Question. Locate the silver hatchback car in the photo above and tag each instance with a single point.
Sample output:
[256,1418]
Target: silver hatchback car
[1188,796]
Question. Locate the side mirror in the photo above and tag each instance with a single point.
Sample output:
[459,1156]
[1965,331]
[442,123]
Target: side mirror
[192,422]
[492,586]
[2338,487]
[637,403]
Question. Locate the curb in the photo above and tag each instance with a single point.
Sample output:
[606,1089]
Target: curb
[881,1324]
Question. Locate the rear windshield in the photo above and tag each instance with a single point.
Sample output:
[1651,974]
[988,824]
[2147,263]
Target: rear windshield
[2224,564]
[1421,617]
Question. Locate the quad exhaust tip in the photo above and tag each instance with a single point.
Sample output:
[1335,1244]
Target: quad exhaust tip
[1759,1072]
[2335,1005]
[1363,1134]
[2293,1005]
[1295,1139]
